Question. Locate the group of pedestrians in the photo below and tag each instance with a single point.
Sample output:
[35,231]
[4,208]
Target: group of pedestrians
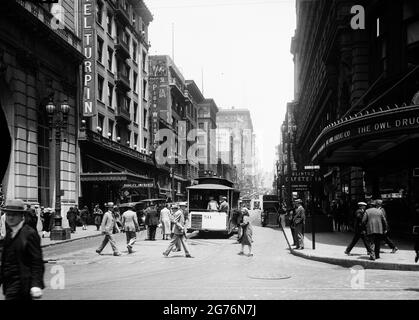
[172,222]
[372,227]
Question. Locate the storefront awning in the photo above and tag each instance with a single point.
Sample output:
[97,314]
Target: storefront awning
[364,137]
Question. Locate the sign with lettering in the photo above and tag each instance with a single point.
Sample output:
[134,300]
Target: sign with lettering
[138,185]
[392,122]
[89,38]
[158,81]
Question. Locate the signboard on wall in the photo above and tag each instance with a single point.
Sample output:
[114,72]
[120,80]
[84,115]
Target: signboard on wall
[158,82]
[88,38]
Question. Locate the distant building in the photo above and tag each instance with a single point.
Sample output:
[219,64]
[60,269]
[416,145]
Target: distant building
[207,138]
[174,109]
[238,124]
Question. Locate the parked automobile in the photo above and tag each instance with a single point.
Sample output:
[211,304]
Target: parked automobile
[139,208]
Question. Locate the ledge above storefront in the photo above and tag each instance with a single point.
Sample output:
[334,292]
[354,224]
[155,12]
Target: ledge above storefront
[363,137]
[97,139]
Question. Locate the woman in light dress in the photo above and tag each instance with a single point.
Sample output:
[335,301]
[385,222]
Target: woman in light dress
[247,233]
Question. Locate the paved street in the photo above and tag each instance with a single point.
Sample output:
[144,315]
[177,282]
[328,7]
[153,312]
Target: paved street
[217,272]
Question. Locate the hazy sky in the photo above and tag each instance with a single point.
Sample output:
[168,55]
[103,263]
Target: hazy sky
[243,48]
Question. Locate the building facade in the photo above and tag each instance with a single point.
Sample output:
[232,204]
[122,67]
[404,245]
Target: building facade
[40,64]
[115,159]
[174,116]
[237,123]
[356,103]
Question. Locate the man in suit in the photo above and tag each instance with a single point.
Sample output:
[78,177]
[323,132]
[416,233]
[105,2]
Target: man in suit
[224,207]
[152,220]
[130,226]
[22,265]
[72,217]
[179,233]
[299,222]
[359,230]
[376,225]
[385,235]
[108,227]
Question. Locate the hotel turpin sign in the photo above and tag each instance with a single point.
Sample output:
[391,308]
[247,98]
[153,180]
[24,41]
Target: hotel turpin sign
[380,123]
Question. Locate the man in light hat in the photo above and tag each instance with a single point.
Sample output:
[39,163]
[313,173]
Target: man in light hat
[359,230]
[385,235]
[179,233]
[224,207]
[22,264]
[299,222]
[107,227]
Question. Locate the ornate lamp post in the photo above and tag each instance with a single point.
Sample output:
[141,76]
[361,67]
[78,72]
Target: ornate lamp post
[58,120]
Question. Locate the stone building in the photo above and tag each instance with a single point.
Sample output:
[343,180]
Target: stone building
[40,63]
[356,102]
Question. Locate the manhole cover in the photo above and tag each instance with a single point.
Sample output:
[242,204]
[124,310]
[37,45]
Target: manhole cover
[269,276]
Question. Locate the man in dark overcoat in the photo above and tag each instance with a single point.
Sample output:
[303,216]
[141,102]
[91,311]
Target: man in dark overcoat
[22,265]
[359,230]
[152,220]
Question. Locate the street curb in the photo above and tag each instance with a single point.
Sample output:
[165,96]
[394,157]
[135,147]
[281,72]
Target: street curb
[75,239]
[367,264]
[69,240]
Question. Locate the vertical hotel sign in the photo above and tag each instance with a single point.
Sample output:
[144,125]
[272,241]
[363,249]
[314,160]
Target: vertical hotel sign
[158,93]
[89,62]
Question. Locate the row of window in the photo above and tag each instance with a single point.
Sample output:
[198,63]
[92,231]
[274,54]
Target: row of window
[115,132]
[135,20]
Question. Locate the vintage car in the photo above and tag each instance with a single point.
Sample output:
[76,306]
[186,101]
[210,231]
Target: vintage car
[139,208]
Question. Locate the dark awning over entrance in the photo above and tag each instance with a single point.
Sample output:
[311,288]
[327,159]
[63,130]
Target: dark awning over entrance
[362,138]
[130,180]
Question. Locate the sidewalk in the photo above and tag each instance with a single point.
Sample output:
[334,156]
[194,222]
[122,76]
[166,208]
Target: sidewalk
[79,234]
[330,247]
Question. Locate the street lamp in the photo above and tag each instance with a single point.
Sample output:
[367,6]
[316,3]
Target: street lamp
[58,120]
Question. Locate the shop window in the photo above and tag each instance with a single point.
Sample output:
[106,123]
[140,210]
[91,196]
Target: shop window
[100,82]
[99,11]
[100,121]
[99,49]
[110,129]
[110,95]
[135,112]
[110,59]
[109,19]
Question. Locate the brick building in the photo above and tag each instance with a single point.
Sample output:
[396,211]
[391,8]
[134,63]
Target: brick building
[40,61]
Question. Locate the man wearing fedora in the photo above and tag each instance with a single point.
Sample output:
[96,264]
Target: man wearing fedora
[359,230]
[179,233]
[376,225]
[299,220]
[224,207]
[108,227]
[386,238]
[22,265]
